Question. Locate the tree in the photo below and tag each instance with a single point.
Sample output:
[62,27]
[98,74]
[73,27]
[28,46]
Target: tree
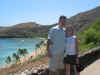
[41,42]
[37,47]
[25,52]
[22,52]
[16,56]
[8,60]
[44,44]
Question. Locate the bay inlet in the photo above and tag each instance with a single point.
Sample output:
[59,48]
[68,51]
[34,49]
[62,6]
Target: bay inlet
[8,46]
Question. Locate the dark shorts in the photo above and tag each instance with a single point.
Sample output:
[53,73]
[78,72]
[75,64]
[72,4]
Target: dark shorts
[70,59]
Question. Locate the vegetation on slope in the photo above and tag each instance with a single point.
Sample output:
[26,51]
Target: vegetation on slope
[90,37]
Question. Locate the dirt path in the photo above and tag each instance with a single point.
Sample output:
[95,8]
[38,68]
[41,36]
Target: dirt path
[93,69]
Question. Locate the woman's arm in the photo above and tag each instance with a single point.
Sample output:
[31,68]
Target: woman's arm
[77,48]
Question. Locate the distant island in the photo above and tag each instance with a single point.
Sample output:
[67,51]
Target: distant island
[31,29]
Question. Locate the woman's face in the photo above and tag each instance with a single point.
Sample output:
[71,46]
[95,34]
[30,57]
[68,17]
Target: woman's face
[69,32]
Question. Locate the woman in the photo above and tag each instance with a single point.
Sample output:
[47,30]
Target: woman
[71,50]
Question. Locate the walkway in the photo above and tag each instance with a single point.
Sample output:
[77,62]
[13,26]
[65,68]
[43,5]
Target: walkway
[93,69]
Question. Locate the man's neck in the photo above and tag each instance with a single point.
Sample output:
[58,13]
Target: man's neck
[60,26]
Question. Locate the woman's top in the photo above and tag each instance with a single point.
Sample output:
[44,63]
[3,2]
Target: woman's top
[70,45]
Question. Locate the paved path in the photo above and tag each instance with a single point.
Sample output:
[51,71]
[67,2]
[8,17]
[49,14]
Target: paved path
[93,69]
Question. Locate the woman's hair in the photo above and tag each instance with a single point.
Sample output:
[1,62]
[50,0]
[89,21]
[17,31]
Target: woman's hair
[68,28]
[62,17]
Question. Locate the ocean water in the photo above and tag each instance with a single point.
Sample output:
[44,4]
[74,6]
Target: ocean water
[10,45]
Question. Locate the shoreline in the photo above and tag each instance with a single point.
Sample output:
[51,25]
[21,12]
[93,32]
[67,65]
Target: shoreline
[32,55]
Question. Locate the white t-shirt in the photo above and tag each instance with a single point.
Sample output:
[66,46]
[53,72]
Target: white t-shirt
[57,36]
[70,45]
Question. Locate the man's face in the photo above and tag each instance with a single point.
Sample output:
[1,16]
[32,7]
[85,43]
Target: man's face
[63,22]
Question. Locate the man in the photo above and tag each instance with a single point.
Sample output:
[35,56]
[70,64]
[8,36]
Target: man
[55,46]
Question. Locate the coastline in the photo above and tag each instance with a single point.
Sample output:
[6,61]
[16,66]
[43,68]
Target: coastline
[31,56]
[31,51]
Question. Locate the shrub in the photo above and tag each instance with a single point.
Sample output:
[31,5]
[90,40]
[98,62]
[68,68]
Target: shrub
[90,36]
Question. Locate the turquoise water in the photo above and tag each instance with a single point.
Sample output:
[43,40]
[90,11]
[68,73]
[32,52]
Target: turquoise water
[11,45]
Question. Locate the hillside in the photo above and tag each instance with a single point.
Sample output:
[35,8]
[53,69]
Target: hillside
[90,38]
[84,19]
[31,29]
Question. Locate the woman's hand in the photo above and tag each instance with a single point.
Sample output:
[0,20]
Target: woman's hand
[65,55]
[77,60]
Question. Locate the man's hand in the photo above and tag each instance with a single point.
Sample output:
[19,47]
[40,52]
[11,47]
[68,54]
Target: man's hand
[49,43]
[49,55]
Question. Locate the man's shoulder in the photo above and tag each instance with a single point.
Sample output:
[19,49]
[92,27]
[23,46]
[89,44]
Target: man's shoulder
[54,28]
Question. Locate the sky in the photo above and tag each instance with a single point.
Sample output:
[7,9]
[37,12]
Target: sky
[43,12]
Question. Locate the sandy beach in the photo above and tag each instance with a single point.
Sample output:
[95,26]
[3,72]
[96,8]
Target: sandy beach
[33,55]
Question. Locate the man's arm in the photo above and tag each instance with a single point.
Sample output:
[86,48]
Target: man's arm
[49,43]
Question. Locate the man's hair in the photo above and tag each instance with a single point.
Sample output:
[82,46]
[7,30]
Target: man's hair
[62,17]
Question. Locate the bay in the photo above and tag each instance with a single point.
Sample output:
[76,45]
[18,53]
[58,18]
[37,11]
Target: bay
[8,46]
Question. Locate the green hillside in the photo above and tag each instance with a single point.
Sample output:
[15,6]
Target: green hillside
[90,37]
